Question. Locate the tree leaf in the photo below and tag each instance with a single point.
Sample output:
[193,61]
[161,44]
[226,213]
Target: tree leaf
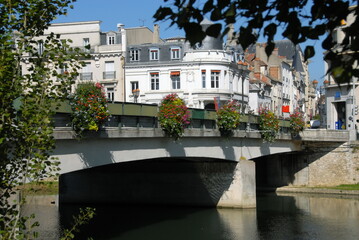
[308,52]
[214,30]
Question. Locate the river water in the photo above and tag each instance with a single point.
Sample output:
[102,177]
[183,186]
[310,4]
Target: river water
[277,216]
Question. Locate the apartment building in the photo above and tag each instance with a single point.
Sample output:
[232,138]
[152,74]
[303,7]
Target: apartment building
[203,75]
[107,52]
[342,102]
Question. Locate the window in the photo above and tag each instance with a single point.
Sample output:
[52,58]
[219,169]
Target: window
[40,48]
[155,83]
[134,86]
[86,72]
[135,55]
[86,44]
[175,78]
[215,78]
[154,53]
[111,40]
[175,53]
[109,70]
[110,91]
[203,78]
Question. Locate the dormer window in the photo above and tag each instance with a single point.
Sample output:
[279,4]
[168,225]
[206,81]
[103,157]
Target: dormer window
[154,54]
[134,55]
[175,53]
[111,39]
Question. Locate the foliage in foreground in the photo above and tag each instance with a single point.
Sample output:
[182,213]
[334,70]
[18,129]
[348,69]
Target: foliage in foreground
[299,21]
[268,125]
[82,218]
[173,116]
[30,84]
[89,107]
[228,117]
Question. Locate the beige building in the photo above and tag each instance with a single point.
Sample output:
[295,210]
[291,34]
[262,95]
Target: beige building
[107,52]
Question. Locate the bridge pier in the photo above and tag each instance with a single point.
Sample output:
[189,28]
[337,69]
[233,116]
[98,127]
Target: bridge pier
[167,181]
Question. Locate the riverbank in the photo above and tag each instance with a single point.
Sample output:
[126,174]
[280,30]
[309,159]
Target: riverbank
[317,190]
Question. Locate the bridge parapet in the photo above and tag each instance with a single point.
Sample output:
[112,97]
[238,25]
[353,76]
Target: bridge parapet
[132,132]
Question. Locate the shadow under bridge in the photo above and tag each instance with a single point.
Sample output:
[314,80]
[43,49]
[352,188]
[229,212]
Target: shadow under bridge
[205,182]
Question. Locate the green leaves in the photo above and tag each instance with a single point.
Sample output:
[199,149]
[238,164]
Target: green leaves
[308,52]
[214,30]
[28,76]
[194,33]
[173,116]
[264,17]
[228,118]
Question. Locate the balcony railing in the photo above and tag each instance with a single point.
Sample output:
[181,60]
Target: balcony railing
[109,75]
[86,76]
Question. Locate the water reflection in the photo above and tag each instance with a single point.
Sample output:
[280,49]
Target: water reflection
[276,217]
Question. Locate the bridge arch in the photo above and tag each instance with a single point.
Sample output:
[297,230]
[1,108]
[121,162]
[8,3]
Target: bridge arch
[92,152]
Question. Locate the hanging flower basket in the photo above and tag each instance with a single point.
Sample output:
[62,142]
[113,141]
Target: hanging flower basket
[297,122]
[173,116]
[268,125]
[228,117]
[89,107]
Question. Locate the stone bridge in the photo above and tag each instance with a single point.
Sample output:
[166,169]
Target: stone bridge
[142,166]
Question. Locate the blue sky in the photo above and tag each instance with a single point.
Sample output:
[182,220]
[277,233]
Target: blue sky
[134,13]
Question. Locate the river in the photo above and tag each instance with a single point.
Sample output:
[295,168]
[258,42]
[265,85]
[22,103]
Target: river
[277,216]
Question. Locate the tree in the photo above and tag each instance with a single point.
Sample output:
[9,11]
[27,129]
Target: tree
[29,67]
[301,20]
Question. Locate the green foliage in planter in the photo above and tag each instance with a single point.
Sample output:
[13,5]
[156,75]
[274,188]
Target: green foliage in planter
[268,125]
[173,116]
[228,117]
[297,122]
[89,106]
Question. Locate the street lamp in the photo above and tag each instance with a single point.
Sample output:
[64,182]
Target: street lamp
[242,67]
[315,84]
[326,83]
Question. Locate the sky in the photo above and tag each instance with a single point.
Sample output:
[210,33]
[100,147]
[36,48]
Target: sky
[134,13]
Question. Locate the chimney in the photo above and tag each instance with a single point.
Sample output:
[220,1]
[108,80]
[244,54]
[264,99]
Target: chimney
[120,26]
[230,37]
[156,33]
[275,51]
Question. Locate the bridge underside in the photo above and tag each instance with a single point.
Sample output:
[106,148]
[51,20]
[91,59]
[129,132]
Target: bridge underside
[164,181]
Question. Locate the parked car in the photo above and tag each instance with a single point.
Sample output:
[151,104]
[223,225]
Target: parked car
[314,124]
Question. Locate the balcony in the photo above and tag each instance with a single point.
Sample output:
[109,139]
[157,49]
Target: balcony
[109,75]
[86,76]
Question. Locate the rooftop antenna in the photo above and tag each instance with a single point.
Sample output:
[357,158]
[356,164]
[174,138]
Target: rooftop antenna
[143,21]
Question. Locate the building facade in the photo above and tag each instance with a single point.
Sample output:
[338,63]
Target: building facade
[342,102]
[107,51]
[204,75]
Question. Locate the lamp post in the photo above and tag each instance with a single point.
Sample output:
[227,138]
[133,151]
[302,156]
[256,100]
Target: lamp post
[242,66]
[326,83]
[315,84]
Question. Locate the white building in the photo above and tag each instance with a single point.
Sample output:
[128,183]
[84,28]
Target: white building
[198,75]
[342,101]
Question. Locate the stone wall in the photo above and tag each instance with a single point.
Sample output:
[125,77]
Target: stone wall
[331,164]
[319,164]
